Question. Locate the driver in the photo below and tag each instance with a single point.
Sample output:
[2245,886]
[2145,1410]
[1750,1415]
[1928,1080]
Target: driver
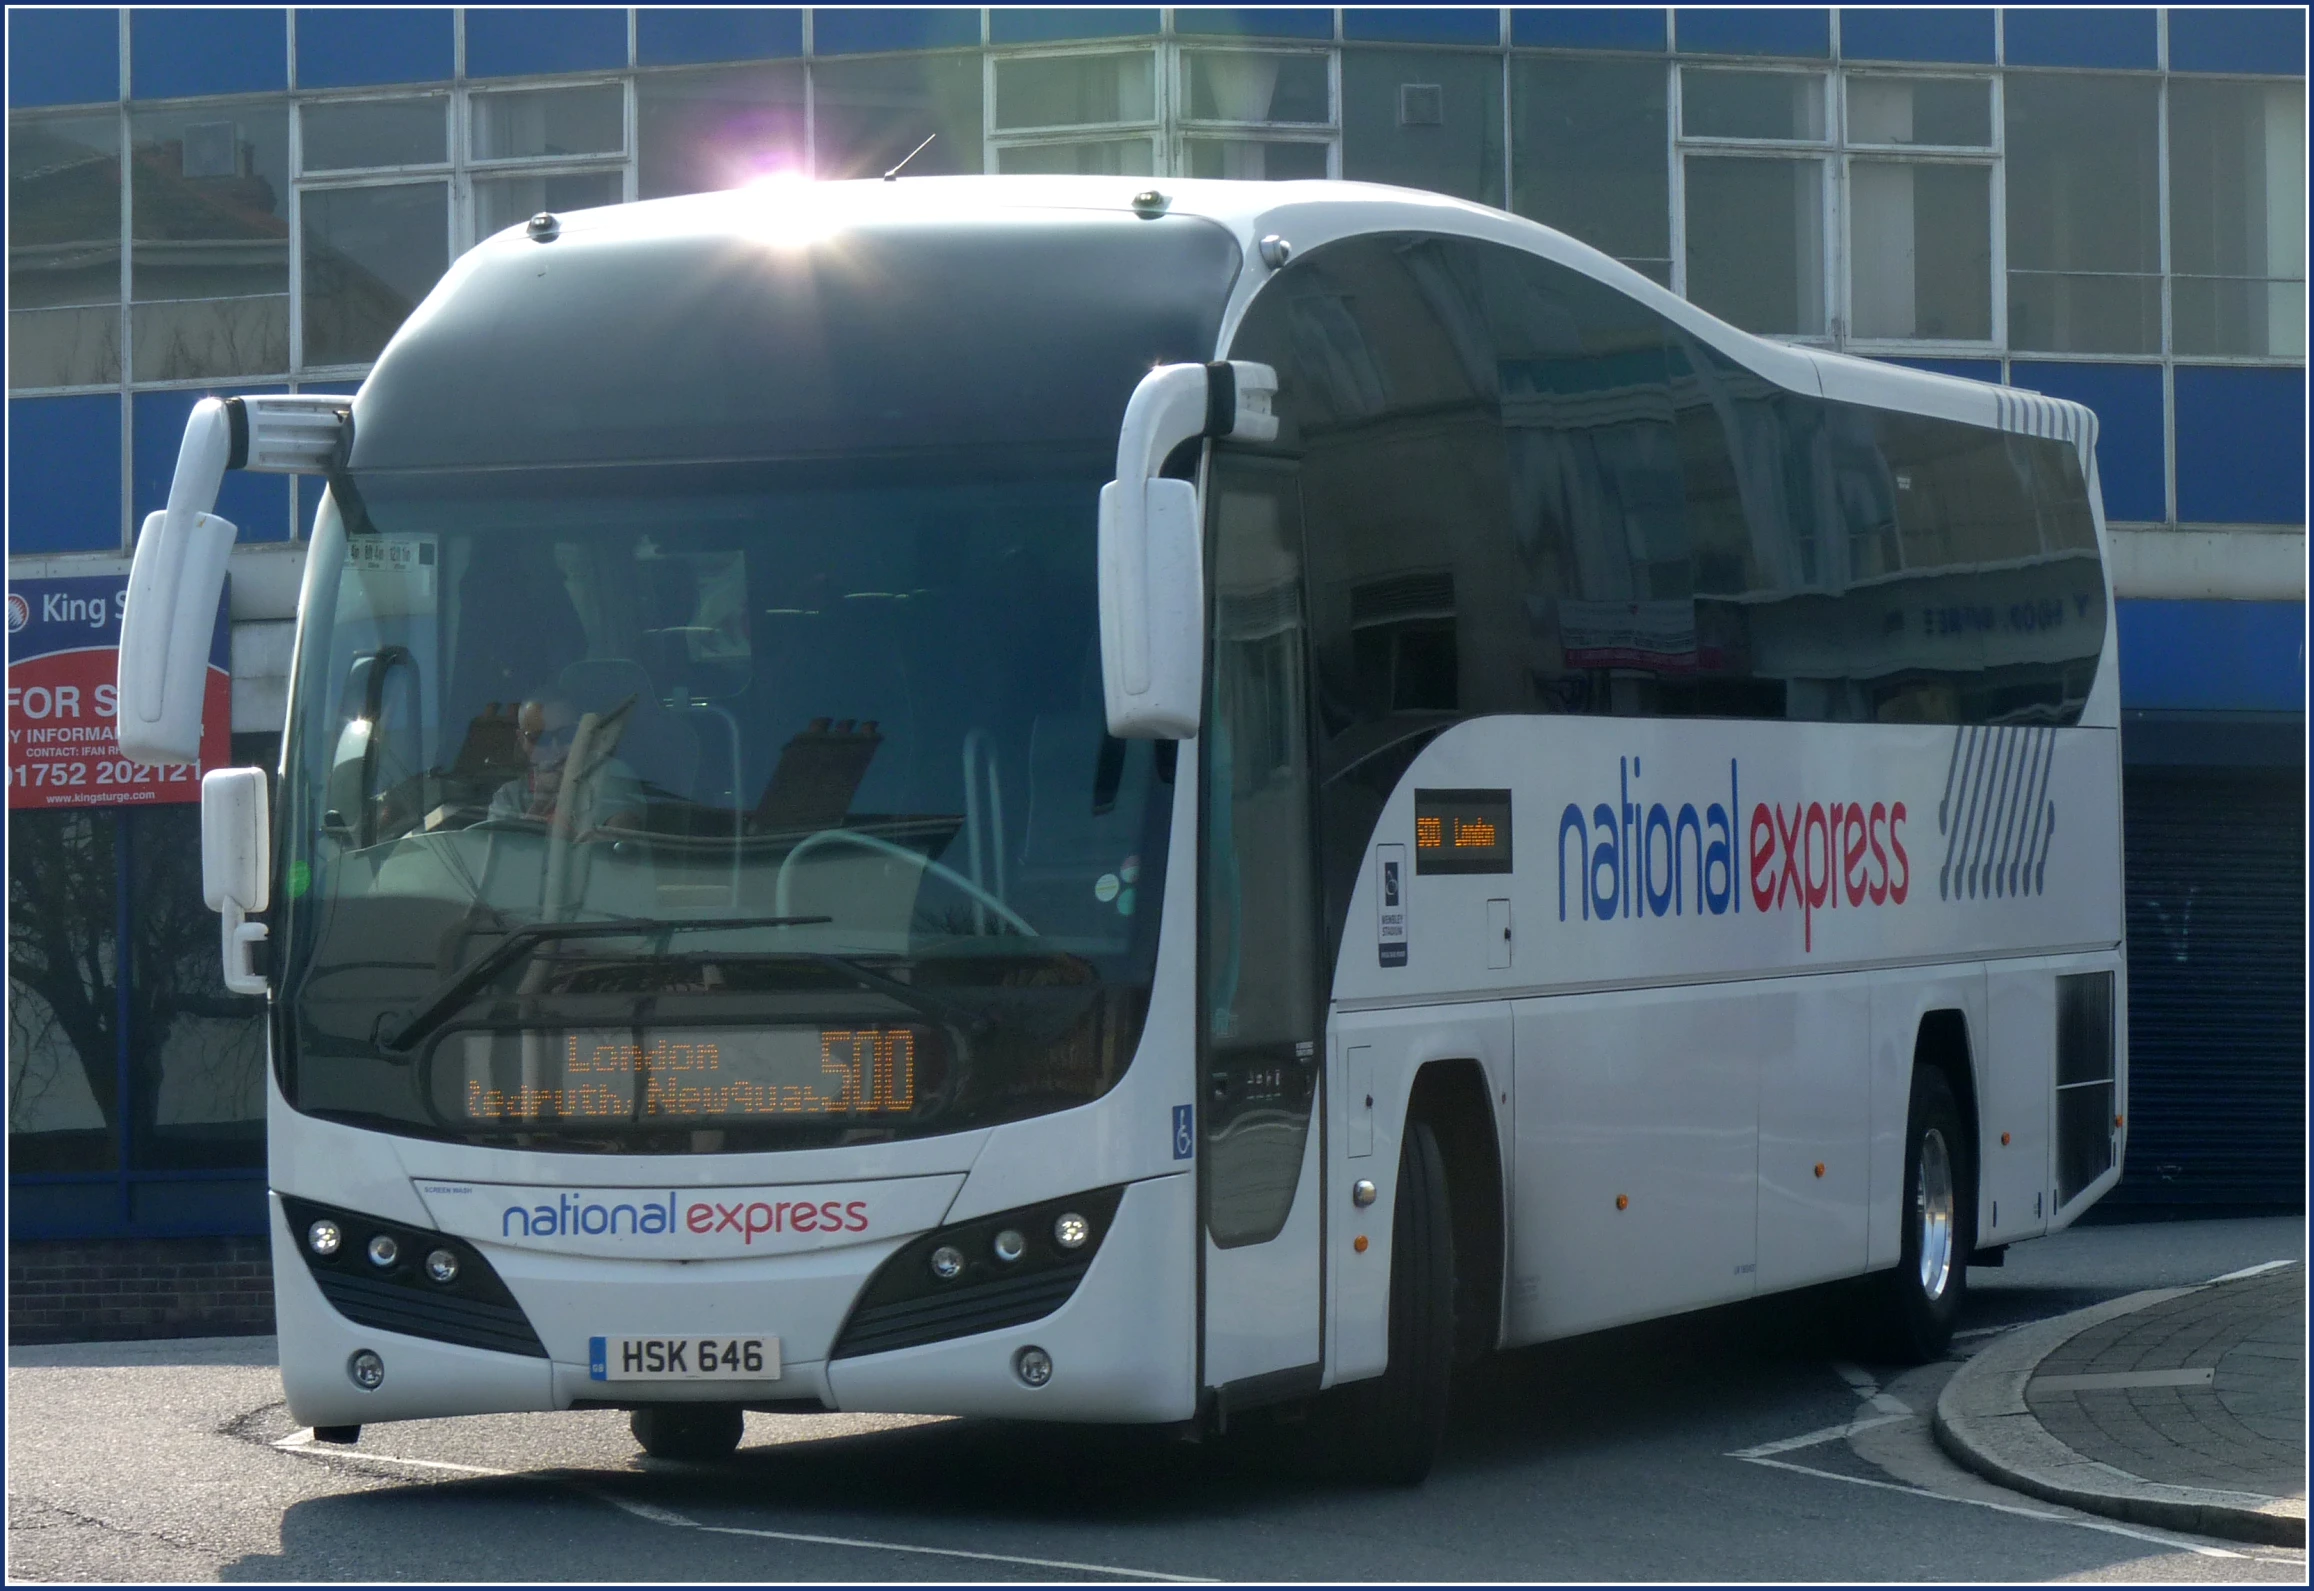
[547,725]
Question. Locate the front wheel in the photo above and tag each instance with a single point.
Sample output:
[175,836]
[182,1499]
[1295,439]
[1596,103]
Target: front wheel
[1399,1418]
[1918,1302]
[695,1431]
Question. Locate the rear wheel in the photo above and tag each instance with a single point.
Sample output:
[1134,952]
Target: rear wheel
[698,1431]
[1917,1303]
[1398,1419]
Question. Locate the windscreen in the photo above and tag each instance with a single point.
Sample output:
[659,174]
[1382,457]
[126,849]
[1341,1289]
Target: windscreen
[667,807]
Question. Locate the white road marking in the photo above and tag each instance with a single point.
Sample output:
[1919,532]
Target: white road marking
[665,1516]
[2252,1270]
[2156,1537]
[1830,1433]
[1856,1377]
[303,1444]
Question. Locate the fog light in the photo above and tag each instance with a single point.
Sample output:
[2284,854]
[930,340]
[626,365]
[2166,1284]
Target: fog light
[1010,1245]
[369,1371]
[442,1265]
[324,1238]
[384,1251]
[1071,1230]
[1033,1365]
[948,1262]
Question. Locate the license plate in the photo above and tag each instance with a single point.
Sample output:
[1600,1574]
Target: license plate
[683,1358]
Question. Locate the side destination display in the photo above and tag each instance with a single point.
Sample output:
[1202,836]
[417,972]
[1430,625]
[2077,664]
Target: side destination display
[1462,831]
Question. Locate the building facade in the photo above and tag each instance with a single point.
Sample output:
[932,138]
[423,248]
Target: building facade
[2103,205]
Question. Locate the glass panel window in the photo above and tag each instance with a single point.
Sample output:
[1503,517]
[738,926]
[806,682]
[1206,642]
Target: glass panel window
[209,213]
[1429,119]
[370,255]
[63,1008]
[1780,105]
[530,123]
[1251,86]
[1920,250]
[197,1053]
[2083,206]
[502,202]
[1254,160]
[1098,157]
[869,112]
[1588,155]
[701,132]
[1943,111]
[2237,217]
[64,251]
[1076,90]
[349,135]
[1755,242]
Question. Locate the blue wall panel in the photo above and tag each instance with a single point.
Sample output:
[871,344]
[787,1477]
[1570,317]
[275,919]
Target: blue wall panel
[1728,31]
[1901,34]
[176,51]
[2241,445]
[2213,656]
[258,505]
[1049,24]
[1987,370]
[349,46]
[2238,41]
[64,493]
[63,57]
[1268,22]
[503,42]
[2079,37]
[2127,399]
[1589,28]
[1423,25]
[675,37]
[855,30]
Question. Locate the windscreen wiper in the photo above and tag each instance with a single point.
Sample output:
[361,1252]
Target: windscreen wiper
[940,1008]
[464,985]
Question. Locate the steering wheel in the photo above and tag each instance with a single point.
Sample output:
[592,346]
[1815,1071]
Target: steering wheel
[876,842]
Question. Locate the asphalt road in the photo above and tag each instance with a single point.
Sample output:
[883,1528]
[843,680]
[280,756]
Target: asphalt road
[1662,1452]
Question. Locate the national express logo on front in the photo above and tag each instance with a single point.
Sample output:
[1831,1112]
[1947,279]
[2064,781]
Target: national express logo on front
[695,1223]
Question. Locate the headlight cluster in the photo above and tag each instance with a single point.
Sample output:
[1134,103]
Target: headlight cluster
[324,1237]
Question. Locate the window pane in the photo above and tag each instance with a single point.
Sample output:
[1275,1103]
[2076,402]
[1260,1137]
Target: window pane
[2237,178]
[2232,316]
[1245,86]
[64,251]
[63,1014]
[502,202]
[2082,214]
[196,1053]
[1076,90]
[1430,120]
[1920,250]
[1249,160]
[1111,157]
[1920,110]
[1755,249]
[550,121]
[868,113]
[701,132]
[370,255]
[210,230]
[376,132]
[1588,155]
[1751,105]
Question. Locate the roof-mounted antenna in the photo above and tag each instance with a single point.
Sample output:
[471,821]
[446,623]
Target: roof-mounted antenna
[910,155]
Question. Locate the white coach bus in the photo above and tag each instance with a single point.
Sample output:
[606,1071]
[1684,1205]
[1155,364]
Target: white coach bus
[1053,799]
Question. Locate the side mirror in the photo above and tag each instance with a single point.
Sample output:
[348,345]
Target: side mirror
[1151,550]
[236,862]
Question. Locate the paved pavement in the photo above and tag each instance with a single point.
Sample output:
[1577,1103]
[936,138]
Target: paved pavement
[2181,1407]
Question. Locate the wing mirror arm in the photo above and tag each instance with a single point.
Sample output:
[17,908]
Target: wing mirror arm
[179,567]
[1152,578]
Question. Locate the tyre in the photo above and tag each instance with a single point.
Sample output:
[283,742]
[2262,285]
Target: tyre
[696,1431]
[1399,1417]
[1915,1305]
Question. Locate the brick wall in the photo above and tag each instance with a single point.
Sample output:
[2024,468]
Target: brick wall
[109,1289]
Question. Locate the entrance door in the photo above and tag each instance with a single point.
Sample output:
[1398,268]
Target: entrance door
[1258,1067]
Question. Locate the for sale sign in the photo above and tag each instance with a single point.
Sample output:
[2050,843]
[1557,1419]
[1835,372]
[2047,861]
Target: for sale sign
[63,655]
